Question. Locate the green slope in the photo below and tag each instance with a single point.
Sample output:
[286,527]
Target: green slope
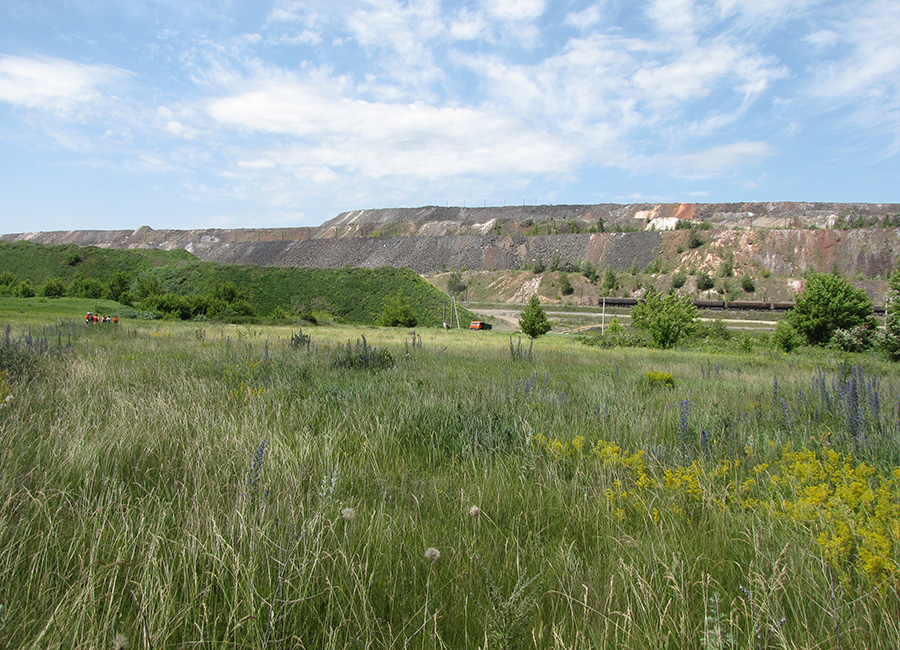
[353,295]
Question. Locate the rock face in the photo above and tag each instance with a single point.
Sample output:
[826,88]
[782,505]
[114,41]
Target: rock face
[782,238]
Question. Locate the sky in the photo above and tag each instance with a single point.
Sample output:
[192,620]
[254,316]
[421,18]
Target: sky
[228,113]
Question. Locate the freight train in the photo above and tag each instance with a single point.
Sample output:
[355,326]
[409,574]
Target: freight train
[737,305]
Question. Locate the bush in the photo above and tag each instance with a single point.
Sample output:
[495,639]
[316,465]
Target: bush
[657,378]
[786,338]
[890,343]
[565,285]
[610,280]
[52,288]
[25,290]
[828,303]
[855,339]
[704,282]
[397,313]
[666,319]
[679,279]
[747,284]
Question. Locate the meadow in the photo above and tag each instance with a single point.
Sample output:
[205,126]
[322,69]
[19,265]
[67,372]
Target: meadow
[198,485]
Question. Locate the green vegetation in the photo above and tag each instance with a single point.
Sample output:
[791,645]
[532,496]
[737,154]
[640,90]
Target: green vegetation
[533,321]
[177,285]
[455,284]
[828,303]
[666,318]
[397,312]
[172,484]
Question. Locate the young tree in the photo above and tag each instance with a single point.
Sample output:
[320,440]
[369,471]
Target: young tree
[455,284]
[829,302]
[533,321]
[891,341]
[667,318]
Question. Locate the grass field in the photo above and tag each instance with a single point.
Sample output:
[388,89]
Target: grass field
[194,485]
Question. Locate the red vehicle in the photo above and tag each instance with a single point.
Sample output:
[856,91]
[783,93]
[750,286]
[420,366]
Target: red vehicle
[479,325]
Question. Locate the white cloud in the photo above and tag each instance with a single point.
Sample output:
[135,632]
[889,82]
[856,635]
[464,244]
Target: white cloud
[584,19]
[468,25]
[718,161]
[515,10]
[378,139]
[53,84]
[823,38]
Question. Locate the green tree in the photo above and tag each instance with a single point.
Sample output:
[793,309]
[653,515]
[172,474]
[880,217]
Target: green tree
[747,283]
[891,342]
[25,290]
[829,302]
[397,312]
[8,283]
[455,284]
[118,285]
[53,288]
[533,321]
[565,285]
[666,318]
[610,280]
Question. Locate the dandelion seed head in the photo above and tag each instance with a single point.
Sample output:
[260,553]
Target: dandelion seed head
[474,511]
[120,642]
[348,513]
[431,553]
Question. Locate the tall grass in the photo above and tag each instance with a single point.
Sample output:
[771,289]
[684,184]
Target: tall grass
[206,486]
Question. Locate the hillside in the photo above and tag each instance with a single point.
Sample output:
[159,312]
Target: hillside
[761,240]
[353,295]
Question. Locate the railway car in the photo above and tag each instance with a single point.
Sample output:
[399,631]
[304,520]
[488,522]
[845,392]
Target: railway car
[618,302]
[709,304]
[750,305]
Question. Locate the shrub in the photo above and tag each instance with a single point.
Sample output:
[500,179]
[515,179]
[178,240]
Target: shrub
[726,268]
[855,339]
[828,303]
[565,285]
[52,288]
[610,280]
[657,378]
[397,313]
[679,279]
[666,319]
[747,284]
[25,290]
[704,282]
[786,338]
[891,341]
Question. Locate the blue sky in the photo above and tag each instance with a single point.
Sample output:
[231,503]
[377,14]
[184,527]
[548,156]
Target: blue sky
[225,113]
